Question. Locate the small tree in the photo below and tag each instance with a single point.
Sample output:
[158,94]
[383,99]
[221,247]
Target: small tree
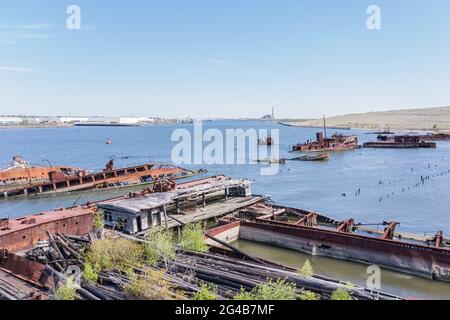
[306,270]
[98,220]
[159,246]
[193,238]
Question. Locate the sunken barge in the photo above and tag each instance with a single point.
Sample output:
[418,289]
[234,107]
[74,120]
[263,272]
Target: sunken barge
[314,234]
[21,173]
[107,179]
[400,142]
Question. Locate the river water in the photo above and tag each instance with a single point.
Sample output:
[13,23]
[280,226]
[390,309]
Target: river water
[389,180]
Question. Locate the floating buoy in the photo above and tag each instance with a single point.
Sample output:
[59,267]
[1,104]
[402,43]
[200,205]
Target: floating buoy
[109,141]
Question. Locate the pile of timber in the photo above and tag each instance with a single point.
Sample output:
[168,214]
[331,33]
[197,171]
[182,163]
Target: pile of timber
[60,251]
[186,273]
[231,274]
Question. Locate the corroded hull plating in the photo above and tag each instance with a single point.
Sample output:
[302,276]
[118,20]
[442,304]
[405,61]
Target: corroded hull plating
[420,260]
[137,175]
[25,233]
[17,176]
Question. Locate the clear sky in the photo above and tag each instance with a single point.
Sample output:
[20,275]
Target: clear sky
[217,58]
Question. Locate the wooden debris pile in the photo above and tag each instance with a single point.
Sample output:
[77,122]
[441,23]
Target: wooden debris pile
[60,251]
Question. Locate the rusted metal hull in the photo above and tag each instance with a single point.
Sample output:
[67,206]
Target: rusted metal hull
[319,157]
[20,176]
[399,145]
[335,143]
[21,279]
[138,175]
[420,260]
[24,233]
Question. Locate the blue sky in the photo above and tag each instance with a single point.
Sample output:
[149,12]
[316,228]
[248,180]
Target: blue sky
[235,58]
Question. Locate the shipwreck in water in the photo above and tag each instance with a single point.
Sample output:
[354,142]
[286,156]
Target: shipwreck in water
[315,234]
[21,173]
[337,142]
[54,182]
[400,142]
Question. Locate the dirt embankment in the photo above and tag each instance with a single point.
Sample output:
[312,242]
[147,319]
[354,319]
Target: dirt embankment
[426,119]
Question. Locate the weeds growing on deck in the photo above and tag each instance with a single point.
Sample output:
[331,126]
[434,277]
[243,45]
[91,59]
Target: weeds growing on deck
[207,291]
[193,238]
[66,291]
[306,270]
[90,273]
[151,285]
[98,219]
[308,295]
[279,290]
[121,254]
[160,246]
[341,294]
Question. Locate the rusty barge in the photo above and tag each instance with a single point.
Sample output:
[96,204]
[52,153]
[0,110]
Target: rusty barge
[400,142]
[21,173]
[314,234]
[108,178]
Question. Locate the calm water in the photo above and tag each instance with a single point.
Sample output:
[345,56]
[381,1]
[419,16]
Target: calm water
[400,284]
[313,186]
[389,180]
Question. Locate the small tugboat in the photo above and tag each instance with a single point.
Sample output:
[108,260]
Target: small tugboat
[338,142]
[309,157]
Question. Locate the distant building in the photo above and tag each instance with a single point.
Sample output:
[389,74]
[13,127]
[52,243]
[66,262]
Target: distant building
[269,116]
[136,120]
[10,120]
[72,119]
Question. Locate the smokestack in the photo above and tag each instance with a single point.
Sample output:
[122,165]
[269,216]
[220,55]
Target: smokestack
[273,112]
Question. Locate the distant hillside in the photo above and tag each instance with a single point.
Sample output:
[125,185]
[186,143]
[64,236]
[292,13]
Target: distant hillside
[410,119]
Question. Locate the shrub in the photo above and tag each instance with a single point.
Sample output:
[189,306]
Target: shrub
[151,285]
[66,291]
[279,290]
[306,270]
[90,273]
[208,291]
[98,219]
[244,295]
[110,254]
[160,245]
[308,295]
[193,238]
[341,294]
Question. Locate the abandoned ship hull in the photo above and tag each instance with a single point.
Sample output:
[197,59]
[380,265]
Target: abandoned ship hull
[419,260]
[400,145]
[120,178]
